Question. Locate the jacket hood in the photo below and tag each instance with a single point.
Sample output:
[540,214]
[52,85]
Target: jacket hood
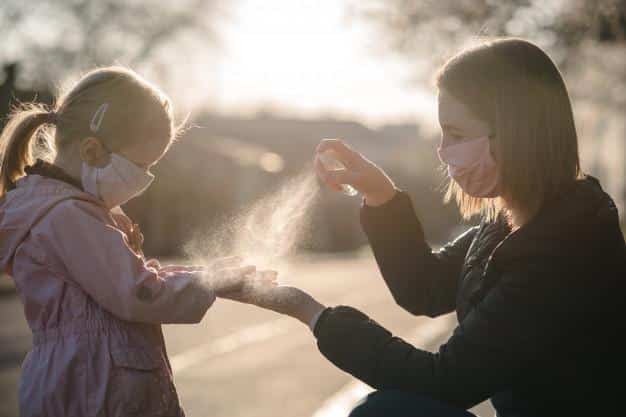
[24,206]
[581,218]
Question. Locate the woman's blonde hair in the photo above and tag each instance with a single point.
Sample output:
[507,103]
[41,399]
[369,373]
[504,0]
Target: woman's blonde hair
[134,110]
[513,86]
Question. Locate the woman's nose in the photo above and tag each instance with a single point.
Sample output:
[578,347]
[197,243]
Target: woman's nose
[443,140]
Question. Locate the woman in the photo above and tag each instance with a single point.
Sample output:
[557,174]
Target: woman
[536,286]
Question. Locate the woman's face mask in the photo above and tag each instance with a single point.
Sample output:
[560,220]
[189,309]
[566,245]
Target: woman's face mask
[465,148]
[472,166]
[117,182]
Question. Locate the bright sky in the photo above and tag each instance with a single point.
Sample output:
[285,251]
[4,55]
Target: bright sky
[308,58]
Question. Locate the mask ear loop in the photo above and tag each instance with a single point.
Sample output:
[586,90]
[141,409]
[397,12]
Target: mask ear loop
[97,118]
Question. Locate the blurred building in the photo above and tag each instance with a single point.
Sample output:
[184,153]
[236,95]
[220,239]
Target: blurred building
[224,164]
[221,167]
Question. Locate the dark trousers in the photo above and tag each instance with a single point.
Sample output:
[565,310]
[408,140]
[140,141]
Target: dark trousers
[400,404]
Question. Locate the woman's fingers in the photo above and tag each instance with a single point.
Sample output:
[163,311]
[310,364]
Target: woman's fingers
[370,180]
[343,176]
[323,173]
[334,178]
[341,150]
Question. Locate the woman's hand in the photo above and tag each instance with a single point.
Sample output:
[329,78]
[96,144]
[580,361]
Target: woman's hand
[226,275]
[371,181]
[282,299]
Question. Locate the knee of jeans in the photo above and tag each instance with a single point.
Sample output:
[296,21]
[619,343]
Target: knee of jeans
[393,403]
[369,405]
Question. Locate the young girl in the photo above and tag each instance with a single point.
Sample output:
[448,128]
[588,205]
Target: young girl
[94,306]
[538,287]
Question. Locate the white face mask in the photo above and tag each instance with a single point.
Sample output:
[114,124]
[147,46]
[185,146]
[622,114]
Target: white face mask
[116,183]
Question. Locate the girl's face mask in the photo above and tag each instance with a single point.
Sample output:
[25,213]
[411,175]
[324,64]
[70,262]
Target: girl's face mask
[471,165]
[116,183]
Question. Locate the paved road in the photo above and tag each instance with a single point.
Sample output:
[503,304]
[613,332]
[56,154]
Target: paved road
[241,361]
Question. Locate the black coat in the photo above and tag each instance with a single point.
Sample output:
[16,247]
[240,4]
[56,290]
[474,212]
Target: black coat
[539,310]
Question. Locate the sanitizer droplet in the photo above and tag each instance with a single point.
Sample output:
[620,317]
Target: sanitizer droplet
[332,163]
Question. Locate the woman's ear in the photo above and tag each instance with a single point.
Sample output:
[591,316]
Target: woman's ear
[93,152]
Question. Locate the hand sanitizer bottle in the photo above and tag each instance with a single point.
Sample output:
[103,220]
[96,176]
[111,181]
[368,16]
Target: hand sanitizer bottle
[332,163]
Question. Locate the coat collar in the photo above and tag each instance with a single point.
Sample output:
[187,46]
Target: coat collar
[563,226]
[46,169]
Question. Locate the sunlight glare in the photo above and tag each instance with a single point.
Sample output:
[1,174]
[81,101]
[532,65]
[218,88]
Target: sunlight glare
[308,58]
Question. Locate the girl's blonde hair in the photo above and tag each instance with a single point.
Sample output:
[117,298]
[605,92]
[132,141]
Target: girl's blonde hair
[513,86]
[135,110]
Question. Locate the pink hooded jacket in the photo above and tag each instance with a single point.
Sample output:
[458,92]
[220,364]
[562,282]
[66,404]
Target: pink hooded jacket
[93,306]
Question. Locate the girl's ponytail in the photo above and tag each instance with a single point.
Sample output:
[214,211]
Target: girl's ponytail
[16,142]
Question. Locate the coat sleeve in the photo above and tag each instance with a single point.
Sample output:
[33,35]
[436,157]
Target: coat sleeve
[422,281]
[516,324]
[85,249]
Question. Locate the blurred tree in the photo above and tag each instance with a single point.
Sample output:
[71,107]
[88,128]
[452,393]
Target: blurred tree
[587,38]
[414,26]
[573,31]
[52,38]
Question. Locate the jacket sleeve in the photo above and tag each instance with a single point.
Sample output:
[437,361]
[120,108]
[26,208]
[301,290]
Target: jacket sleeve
[422,281]
[516,324]
[81,245]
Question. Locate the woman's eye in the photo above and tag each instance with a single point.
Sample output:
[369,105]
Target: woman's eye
[452,136]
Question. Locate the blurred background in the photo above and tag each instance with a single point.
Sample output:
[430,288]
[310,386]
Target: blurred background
[262,82]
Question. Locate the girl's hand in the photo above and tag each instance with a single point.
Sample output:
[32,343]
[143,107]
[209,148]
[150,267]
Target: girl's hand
[223,275]
[371,181]
[122,220]
[286,300]
[174,269]
[134,237]
[153,264]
